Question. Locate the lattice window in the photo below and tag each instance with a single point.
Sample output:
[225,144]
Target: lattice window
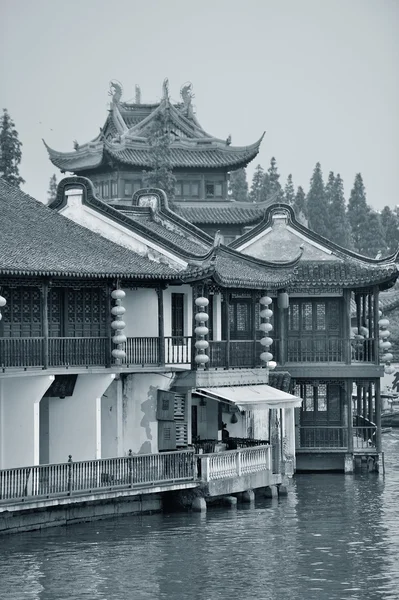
[55,312]
[307,316]
[293,313]
[320,316]
[333,315]
[322,398]
[22,313]
[86,313]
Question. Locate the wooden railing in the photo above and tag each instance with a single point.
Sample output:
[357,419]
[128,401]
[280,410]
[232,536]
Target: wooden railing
[177,350]
[364,437]
[234,463]
[21,352]
[142,351]
[96,475]
[77,351]
[323,437]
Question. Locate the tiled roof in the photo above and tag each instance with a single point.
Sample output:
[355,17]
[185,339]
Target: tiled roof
[35,240]
[231,213]
[389,300]
[80,160]
[234,270]
[350,273]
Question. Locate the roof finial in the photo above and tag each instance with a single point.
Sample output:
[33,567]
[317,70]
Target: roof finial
[186,92]
[165,88]
[115,90]
[137,94]
[218,239]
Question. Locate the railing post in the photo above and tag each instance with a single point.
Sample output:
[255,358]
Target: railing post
[70,474]
[205,467]
[130,467]
[238,463]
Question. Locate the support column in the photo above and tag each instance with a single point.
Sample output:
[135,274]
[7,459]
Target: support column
[376,331]
[227,327]
[44,295]
[289,435]
[108,307]
[217,317]
[348,394]
[20,420]
[253,331]
[161,326]
[75,421]
[346,327]
[377,387]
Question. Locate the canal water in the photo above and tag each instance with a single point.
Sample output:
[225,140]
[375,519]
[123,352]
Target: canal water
[334,537]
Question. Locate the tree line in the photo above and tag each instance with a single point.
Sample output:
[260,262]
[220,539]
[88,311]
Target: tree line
[352,224]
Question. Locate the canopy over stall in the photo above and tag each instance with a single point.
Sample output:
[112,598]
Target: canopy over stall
[250,397]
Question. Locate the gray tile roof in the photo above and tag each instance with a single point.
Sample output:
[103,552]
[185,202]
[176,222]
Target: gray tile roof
[35,240]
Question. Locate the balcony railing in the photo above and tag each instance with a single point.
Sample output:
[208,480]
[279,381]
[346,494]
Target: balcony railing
[323,437]
[96,475]
[234,463]
[177,350]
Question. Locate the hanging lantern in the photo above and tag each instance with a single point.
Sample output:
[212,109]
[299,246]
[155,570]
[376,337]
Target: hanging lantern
[3,302]
[283,300]
[266,341]
[118,325]
[201,344]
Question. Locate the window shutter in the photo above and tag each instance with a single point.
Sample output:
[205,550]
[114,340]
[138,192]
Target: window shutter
[166,435]
[165,405]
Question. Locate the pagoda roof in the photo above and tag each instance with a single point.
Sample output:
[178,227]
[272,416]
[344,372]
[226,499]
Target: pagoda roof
[124,139]
[221,213]
[323,263]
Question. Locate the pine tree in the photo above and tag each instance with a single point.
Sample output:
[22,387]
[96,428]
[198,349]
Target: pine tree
[339,227]
[258,177]
[372,241]
[10,151]
[289,192]
[299,206]
[161,175]
[275,193]
[52,189]
[238,185]
[330,188]
[390,223]
[358,212]
[317,206]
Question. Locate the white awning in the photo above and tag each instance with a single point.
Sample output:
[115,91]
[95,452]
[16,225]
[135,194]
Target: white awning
[250,397]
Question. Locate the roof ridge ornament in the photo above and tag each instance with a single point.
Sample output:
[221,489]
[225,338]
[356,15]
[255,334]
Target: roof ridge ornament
[165,89]
[186,92]
[115,90]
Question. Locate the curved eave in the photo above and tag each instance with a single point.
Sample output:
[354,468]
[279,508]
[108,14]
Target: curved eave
[184,156]
[79,160]
[88,275]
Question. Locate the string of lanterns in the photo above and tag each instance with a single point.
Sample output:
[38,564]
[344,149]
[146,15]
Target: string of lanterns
[266,327]
[385,344]
[118,325]
[3,302]
[201,331]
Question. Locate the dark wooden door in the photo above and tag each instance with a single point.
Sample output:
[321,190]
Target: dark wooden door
[314,330]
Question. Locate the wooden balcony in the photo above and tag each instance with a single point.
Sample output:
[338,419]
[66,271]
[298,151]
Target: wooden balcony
[337,438]
[177,350]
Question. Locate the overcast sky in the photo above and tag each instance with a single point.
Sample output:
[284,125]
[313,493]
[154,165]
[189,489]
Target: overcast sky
[319,76]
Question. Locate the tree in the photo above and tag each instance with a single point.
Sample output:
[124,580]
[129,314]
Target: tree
[317,206]
[390,223]
[372,241]
[161,175]
[238,185]
[275,193]
[52,189]
[330,187]
[255,195]
[289,192]
[299,206]
[339,227]
[358,212]
[10,151]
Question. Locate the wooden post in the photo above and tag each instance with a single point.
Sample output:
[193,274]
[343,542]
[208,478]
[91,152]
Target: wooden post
[254,340]
[377,399]
[194,291]
[227,328]
[375,324]
[161,326]
[280,321]
[44,294]
[347,326]
[348,393]
[108,348]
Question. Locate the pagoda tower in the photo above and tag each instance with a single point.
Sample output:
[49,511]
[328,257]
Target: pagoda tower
[116,158]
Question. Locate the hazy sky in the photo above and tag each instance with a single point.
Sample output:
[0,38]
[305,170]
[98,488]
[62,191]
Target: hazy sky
[320,76]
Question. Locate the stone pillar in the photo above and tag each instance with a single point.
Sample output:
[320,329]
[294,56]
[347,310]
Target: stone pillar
[348,465]
[75,421]
[289,435]
[20,420]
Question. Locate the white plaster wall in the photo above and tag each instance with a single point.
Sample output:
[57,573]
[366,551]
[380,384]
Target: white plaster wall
[139,423]
[75,421]
[19,420]
[141,315]
[104,226]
